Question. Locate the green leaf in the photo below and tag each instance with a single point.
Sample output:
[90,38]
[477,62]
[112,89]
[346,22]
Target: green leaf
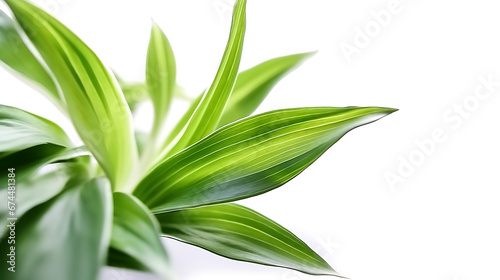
[254,84]
[21,130]
[28,141]
[249,157]
[65,238]
[160,75]
[37,189]
[207,114]
[94,100]
[239,233]
[250,89]
[135,234]
[16,55]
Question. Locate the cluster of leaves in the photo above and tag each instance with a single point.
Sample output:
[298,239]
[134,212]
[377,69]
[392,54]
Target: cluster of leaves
[109,202]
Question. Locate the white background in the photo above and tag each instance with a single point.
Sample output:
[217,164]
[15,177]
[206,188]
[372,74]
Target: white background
[441,223]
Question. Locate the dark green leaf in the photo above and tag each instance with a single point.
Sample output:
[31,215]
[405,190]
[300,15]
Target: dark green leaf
[64,238]
[135,234]
[239,233]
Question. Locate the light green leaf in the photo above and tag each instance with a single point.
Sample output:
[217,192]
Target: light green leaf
[207,114]
[94,100]
[250,89]
[239,233]
[249,157]
[16,55]
[160,75]
[135,234]
[253,85]
[53,240]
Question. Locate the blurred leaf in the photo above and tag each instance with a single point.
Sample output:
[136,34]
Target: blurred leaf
[95,102]
[16,55]
[121,260]
[141,138]
[253,85]
[135,233]
[134,93]
[239,233]
[160,75]
[21,130]
[39,188]
[249,157]
[28,141]
[207,114]
[53,240]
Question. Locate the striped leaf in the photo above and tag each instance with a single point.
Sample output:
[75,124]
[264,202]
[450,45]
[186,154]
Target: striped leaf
[207,114]
[251,88]
[94,100]
[254,84]
[249,157]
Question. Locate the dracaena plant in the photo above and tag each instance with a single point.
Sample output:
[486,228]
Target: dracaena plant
[110,201]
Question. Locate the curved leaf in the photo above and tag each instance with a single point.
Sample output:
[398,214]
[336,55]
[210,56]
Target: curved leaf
[94,100]
[135,234]
[249,157]
[160,75]
[65,238]
[239,233]
[16,55]
[28,141]
[21,130]
[207,114]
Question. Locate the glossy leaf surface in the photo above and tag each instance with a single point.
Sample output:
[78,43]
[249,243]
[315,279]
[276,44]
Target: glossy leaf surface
[239,233]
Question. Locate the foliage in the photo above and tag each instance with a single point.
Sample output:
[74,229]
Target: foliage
[108,202]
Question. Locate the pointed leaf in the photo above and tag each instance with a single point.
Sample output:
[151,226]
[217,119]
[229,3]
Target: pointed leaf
[135,234]
[253,85]
[16,55]
[65,238]
[249,157]
[239,233]
[160,74]
[207,114]
[94,100]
